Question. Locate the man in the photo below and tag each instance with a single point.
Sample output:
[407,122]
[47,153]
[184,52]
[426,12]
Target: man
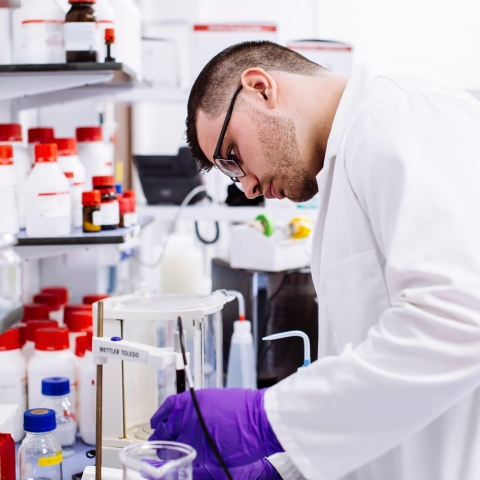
[396,265]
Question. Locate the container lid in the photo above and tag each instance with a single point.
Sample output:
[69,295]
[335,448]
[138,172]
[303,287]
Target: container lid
[129,194]
[10,340]
[124,205]
[55,386]
[22,332]
[103,181]
[94,298]
[62,292]
[118,188]
[78,307]
[35,311]
[66,147]
[242,326]
[89,338]
[39,420]
[89,134]
[109,34]
[91,198]
[81,344]
[45,153]
[34,325]
[10,132]
[6,155]
[51,339]
[79,321]
[40,135]
[52,300]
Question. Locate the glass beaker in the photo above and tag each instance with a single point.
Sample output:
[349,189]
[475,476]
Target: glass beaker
[157,461]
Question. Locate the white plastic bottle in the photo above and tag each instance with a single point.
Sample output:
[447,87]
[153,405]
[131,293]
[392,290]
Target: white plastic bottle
[38,135]
[94,154]
[13,380]
[8,192]
[68,161]
[48,196]
[11,134]
[105,19]
[52,358]
[86,393]
[38,32]
[28,348]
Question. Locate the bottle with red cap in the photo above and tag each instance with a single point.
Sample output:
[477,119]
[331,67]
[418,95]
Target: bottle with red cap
[38,135]
[77,323]
[48,196]
[52,358]
[133,217]
[72,308]
[32,326]
[68,161]
[54,303]
[13,380]
[86,393]
[11,134]
[95,155]
[109,207]
[8,192]
[92,217]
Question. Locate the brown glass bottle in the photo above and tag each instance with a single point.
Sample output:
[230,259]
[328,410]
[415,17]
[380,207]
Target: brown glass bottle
[80,31]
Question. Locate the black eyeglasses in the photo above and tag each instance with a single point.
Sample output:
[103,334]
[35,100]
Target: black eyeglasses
[227,165]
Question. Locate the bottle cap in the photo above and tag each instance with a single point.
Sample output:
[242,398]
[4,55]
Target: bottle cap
[45,153]
[109,34]
[22,332]
[39,420]
[52,300]
[91,198]
[35,311]
[89,339]
[103,181]
[34,325]
[129,194]
[124,205]
[6,155]
[81,344]
[118,188]
[79,321]
[40,135]
[58,290]
[89,134]
[55,386]
[10,132]
[66,147]
[10,340]
[51,339]
[79,307]
[242,326]
[94,298]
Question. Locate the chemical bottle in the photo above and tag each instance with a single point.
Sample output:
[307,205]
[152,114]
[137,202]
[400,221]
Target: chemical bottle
[53,302]
[69,177]
[77,323]
[40,455]
[55,391]
[130,194]
[52,357]
[38,135]
[94,154]
[105,19]
[7,456]
[8,192]
[11,134]
[35,311]
[38,32]
[109,208]
[94,298]
[91,214]
[74,307]
[86,393]
[13,380]
[81,31]
[241,360]
[48,196]
[68,161]
[32,326]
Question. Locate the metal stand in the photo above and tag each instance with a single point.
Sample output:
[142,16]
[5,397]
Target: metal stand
[98,406]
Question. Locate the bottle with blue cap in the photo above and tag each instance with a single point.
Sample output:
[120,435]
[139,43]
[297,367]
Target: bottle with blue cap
[55,392]
[40,455]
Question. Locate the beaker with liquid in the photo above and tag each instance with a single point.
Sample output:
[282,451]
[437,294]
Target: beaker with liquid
[157,461]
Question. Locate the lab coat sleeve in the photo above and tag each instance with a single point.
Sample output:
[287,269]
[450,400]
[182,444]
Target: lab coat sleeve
[284,466]
[413,163]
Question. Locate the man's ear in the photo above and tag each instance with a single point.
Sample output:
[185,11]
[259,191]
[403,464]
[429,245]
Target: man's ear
[259,88]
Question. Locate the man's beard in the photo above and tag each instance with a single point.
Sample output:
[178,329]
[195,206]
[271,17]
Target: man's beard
[280,147]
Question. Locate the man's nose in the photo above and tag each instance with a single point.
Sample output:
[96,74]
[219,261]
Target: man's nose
[251,186]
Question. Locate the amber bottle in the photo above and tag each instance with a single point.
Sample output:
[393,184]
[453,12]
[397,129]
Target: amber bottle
[81,31]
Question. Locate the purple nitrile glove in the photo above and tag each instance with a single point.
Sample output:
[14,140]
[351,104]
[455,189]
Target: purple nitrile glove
[260,470]
[235,418]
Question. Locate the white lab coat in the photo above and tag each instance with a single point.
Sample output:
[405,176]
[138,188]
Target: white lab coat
[396,265]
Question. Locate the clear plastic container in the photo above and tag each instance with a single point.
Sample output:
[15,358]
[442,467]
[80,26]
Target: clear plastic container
[40,455]
[157,461]
[55,391]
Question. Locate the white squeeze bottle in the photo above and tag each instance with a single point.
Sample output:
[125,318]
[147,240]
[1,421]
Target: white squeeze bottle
[241,359]
[105,19]
[11,134]
[86,393]
[13,380]
[52,358]
[48,196]
[68,161]
[94,154]
[8,192]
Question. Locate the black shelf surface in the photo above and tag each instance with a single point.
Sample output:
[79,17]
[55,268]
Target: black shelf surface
[64,67]
[78,237]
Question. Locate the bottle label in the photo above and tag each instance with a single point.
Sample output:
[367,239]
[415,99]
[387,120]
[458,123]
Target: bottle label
[97,218]
[42,34]
[52,205]
[50,461]
[110,213]
[80,36]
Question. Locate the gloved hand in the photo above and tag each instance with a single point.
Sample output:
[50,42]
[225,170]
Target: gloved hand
[260,470]
[235,418]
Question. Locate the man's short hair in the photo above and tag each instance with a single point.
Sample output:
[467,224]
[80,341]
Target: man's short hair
[217,82]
